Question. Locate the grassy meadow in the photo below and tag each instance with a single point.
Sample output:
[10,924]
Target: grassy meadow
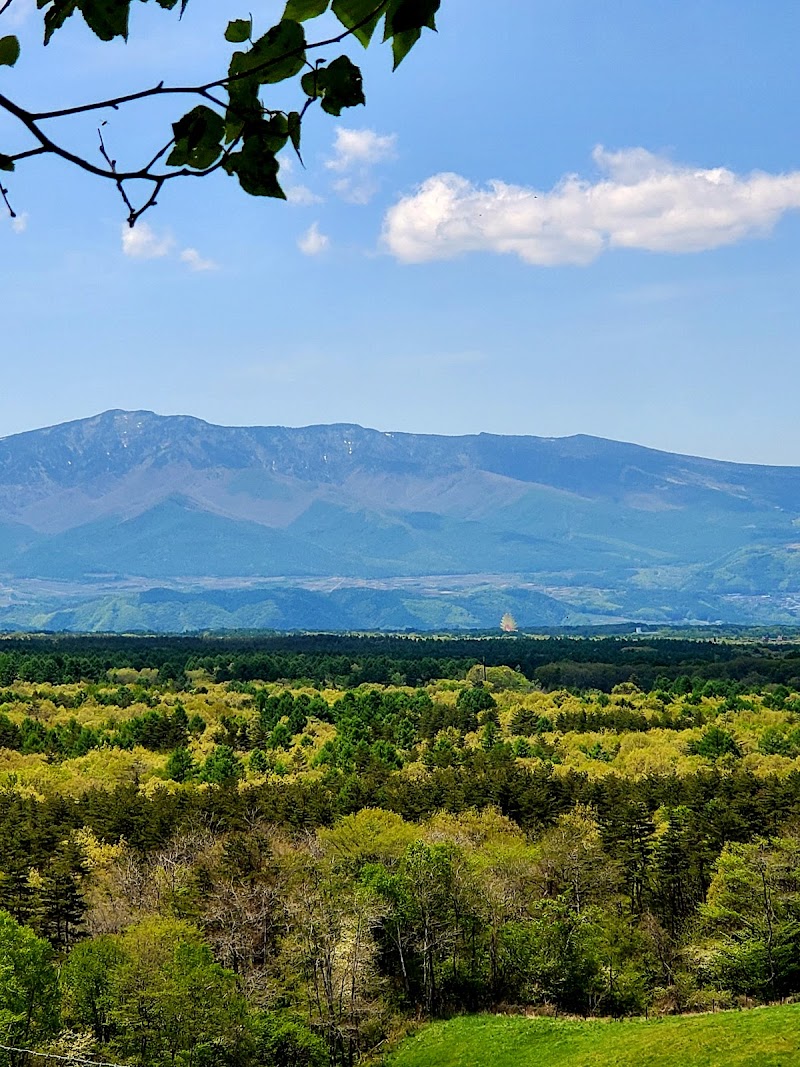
[759,1037]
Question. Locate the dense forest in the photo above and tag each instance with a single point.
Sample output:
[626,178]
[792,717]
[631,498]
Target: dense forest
[286,850]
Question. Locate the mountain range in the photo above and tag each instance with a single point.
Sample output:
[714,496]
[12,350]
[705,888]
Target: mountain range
[131,520]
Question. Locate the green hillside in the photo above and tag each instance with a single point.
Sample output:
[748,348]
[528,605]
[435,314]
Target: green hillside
[761,1037]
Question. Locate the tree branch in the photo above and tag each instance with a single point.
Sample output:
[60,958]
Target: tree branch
[47,145]
[202,90]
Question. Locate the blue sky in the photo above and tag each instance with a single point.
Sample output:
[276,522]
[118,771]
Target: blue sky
[554,218]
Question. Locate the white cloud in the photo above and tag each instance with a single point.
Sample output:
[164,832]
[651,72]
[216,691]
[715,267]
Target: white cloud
[640,201]
[361,148]
[194,261]
[356,190]
[142,242]
[355,154]
[302,196]
[313,243]
[19,224]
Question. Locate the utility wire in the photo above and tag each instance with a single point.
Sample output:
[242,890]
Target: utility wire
[64,1059]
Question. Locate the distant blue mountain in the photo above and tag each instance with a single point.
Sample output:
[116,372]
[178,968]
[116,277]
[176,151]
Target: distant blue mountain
[340,526]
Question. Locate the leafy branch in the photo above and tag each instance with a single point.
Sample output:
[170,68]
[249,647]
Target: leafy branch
[231,127]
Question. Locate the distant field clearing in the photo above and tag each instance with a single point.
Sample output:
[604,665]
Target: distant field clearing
[761,1037]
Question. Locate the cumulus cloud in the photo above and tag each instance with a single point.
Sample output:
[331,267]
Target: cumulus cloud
[355,154]
[19,223]
[640,200]
[194,261]
[313,243]
[360,148]
[142,242]
[302,196]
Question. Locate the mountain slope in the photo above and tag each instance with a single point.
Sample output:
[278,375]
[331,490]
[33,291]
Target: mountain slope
[601,528]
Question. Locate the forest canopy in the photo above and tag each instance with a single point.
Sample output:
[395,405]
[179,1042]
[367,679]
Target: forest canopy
[270,849]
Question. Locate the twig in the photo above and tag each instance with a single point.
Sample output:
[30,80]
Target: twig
[11,211]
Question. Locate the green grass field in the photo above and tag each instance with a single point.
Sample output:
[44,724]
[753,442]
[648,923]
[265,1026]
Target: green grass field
[761,1037]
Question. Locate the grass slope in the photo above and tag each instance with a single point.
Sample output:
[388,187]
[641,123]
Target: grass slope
[761,1037]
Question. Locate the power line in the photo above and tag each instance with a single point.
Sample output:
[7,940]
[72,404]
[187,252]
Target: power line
[64,1059]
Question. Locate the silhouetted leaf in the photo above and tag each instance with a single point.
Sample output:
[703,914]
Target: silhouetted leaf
[300,10]
[278,55]
[239,30]
[360,16]
[9,51]
[402,43]
[198,137]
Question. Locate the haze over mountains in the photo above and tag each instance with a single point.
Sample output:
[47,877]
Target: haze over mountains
[130,520]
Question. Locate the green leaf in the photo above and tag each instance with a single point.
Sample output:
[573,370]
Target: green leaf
[198,137]
[239,30]
[361,14]
[243,110]
[405,15]
[57,15]
[256,168]
[339,85]
[402,43]
[300,10]
[9,51]
[405,20]
[6,162]
[294,123]
[107,19]
[274,133]
[278,55]
[310,83]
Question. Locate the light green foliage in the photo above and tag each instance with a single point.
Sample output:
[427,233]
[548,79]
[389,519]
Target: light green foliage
[29,998]
[170,1000]
[753,914]
[499,678]
[282,1041]
[86,981]
[367,836]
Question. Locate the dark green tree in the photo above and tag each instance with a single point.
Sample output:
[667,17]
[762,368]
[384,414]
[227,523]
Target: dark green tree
[180,765]
[222,766]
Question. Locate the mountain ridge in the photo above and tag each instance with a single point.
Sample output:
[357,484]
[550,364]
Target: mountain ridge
[621,530]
